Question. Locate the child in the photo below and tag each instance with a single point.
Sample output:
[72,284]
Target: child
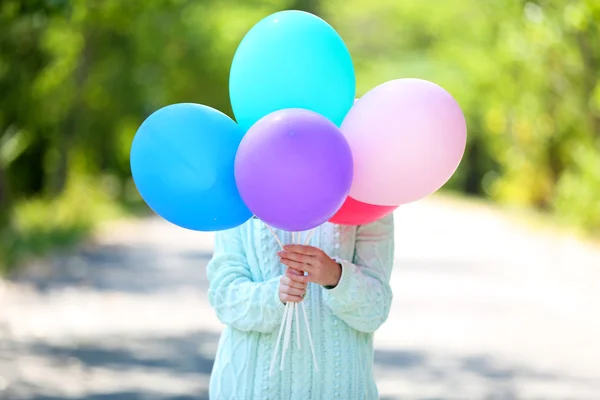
[346,294]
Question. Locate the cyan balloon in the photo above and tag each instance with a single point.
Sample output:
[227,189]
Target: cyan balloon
[182,160]
[291,59]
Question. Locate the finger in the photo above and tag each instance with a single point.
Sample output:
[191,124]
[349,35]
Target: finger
[296,265]
[293,271]
[291,290]
[299,278]
[306,250]
[302,258]
[289,298]
[288,281]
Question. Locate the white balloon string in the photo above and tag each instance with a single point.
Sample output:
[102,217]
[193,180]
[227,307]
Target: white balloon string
[285,329]
[288,333]
[296,315]
[275,236]
[312,348]
[309,237]
[284,319]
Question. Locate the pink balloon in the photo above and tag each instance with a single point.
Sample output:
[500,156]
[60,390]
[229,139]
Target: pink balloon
[407,137]
[354,212]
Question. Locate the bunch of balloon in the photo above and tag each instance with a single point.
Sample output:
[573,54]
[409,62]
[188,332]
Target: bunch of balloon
[303,151]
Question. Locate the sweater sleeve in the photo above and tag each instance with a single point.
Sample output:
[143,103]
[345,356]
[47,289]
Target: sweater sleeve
[238,300]
[363,296]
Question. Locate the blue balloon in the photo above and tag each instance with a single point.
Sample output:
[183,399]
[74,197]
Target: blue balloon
[182,160]
[291,59]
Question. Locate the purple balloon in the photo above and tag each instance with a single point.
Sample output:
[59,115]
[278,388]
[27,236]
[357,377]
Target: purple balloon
[294,169]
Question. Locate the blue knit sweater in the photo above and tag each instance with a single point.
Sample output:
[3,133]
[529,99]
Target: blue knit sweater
[244,291]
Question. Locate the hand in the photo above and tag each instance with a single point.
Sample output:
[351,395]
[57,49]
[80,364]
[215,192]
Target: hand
[290,289]
[320,267]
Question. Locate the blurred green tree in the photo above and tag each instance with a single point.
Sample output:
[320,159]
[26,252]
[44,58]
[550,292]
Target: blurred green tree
[526,74]
[78,77]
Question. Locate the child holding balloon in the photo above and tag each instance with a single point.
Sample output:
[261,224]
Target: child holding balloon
[304,151]
[399,143]
[346,294]
[294,169]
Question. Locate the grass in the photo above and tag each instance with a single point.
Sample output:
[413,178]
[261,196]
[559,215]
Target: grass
[39,226]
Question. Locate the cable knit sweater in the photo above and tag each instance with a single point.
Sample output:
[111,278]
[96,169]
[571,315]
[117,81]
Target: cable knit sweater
[244,278]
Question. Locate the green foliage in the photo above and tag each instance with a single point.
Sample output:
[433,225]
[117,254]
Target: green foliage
[78,77]
[526,74]
[40,225]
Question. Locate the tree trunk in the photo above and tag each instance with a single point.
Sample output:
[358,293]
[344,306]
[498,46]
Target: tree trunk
[4,198]
[473,179]
[68,133]
[5,211]
[311,6]
[590,61]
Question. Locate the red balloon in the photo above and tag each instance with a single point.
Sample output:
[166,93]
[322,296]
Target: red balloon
[354,212]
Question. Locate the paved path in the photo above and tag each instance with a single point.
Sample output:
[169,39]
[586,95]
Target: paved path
[483,309]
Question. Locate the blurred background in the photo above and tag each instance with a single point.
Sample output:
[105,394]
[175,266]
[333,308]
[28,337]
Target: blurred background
[497,280]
